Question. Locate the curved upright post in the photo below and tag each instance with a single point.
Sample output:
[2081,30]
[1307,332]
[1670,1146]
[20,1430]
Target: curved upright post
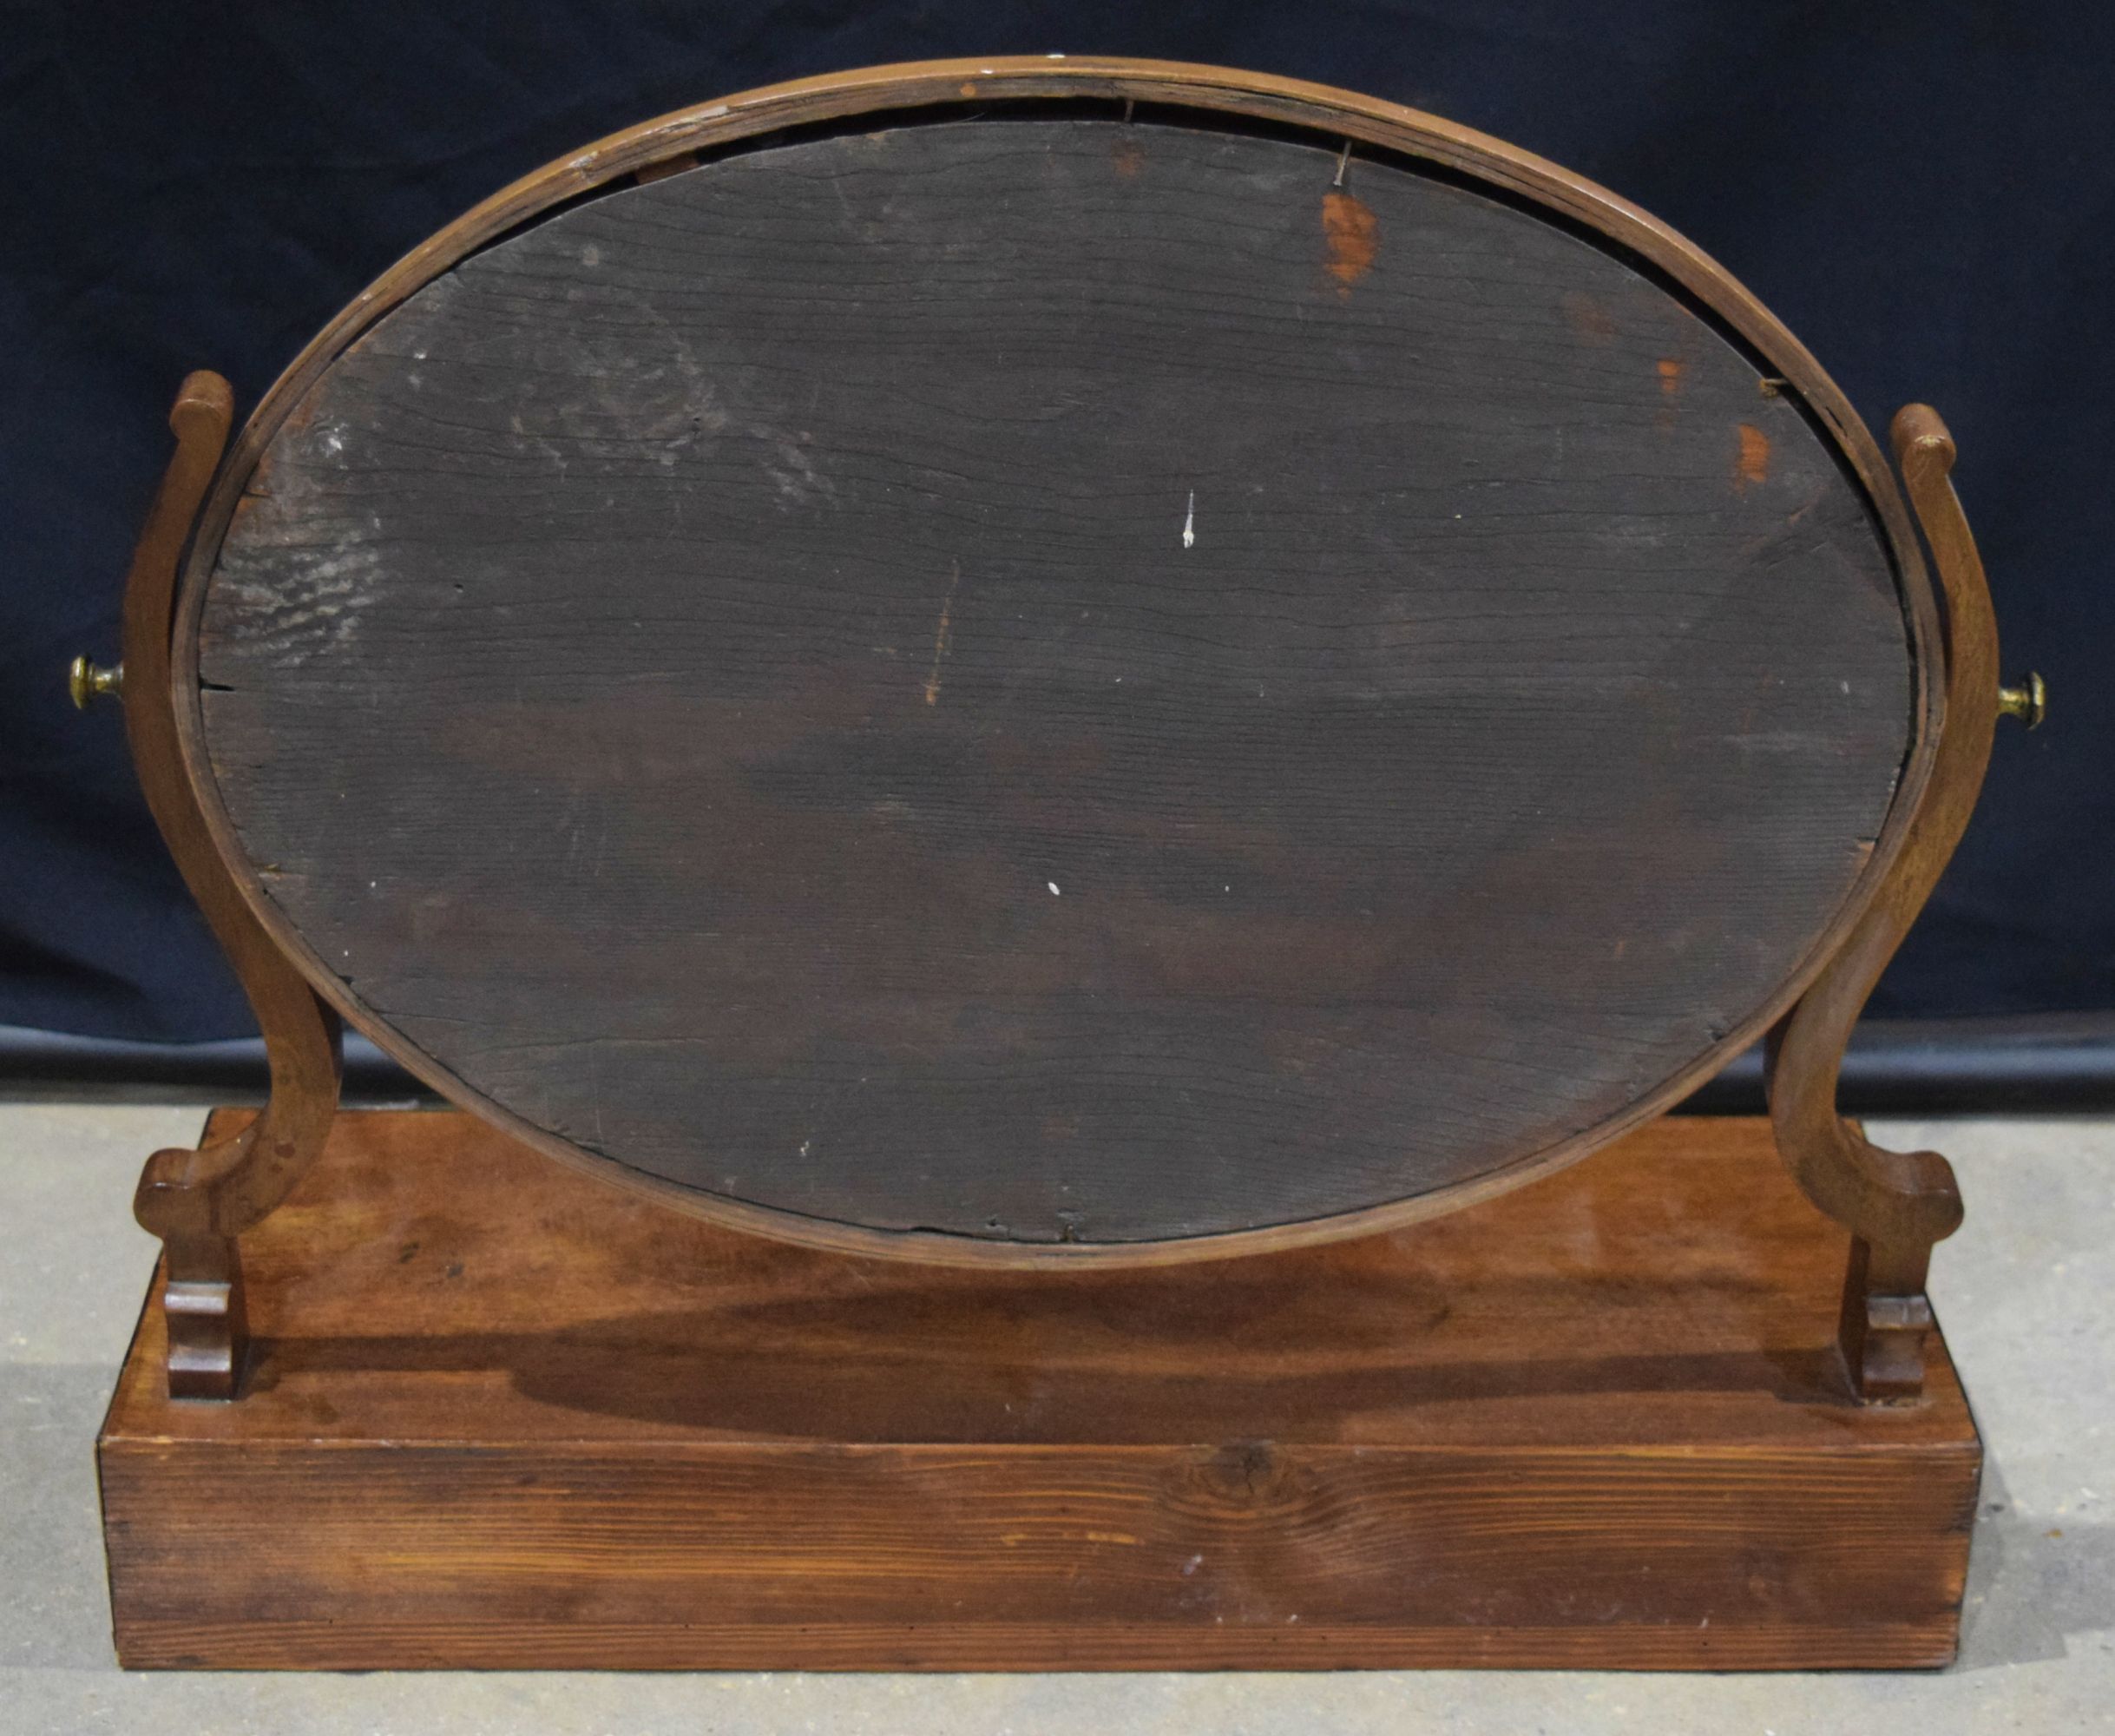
[1895,1204]
[200,1201]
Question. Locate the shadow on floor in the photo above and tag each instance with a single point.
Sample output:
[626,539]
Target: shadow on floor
[2032,1582]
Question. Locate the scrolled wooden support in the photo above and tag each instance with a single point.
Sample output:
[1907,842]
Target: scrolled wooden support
[199,1202]
[1896,1204]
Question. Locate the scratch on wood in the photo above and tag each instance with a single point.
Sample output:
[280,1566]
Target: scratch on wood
[943,637]
[1753,463]
[1588,317]
[1348,227]
[1672,370]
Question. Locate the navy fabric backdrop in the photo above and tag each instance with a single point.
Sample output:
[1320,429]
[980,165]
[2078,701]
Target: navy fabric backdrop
[1921,192]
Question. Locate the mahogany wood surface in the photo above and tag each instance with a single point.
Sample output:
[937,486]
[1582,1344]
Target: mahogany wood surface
[199,1202]
[1896,1203]
[1049,684]
[502,1417]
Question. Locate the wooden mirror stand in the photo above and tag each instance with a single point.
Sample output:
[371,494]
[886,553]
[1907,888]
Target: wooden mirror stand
[1343,498]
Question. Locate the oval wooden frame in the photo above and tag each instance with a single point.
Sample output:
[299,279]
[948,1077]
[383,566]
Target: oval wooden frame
[1340,116]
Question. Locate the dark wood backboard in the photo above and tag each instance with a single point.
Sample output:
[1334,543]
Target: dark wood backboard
[1054,679]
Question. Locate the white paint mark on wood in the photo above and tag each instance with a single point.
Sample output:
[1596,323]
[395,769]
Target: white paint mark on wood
[795,478]
[1054,890]
[306,598]
[1189,522]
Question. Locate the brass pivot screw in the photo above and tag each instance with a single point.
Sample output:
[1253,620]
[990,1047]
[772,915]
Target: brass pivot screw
[2030,704]
[86,680]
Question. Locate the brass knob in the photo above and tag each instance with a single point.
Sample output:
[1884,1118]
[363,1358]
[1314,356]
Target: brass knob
[86,680]
[2030,704]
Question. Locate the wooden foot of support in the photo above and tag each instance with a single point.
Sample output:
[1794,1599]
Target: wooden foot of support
[1896,1205]
[1886,1317]
[209,1324]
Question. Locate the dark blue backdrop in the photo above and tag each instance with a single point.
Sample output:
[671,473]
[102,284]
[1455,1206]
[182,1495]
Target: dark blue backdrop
[1921,192]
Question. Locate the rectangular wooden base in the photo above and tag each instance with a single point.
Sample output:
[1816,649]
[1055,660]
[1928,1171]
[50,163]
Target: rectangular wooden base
[502,1415]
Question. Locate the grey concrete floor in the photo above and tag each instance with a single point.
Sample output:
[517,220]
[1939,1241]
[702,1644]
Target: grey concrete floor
[2024,1290]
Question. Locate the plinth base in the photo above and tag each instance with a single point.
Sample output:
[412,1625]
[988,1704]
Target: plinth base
[500,1415]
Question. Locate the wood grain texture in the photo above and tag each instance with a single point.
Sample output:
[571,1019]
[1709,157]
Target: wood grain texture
[665,668]
[502,1416]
